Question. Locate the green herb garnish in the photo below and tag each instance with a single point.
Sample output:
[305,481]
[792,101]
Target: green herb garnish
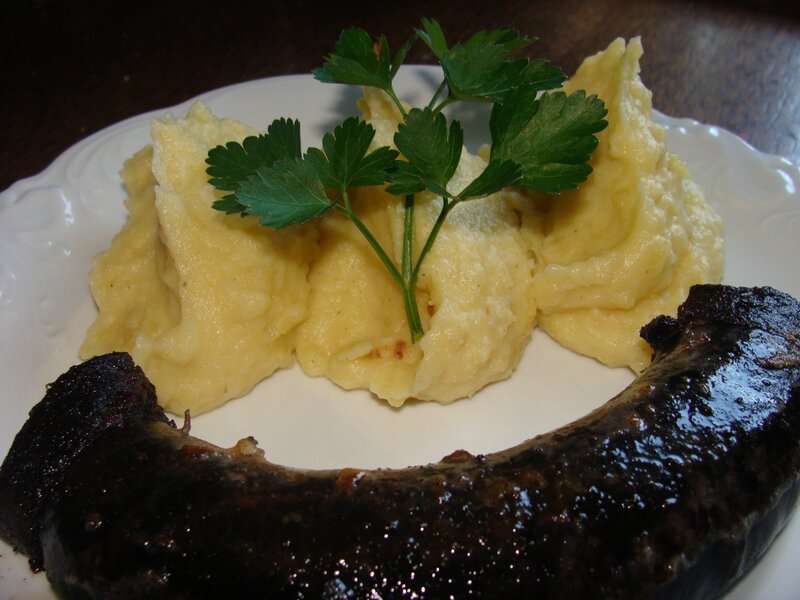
[540,139]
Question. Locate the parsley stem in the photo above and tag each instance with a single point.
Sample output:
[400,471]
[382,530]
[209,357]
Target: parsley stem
[376,245]
[447,206]
[412,314]
[409,278]
[408,237]
[390,91]
[404,280]
[445,102]
[437,93]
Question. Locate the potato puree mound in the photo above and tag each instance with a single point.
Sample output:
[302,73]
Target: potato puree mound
[210,304]
[474,292]
[205,303]
[628,244]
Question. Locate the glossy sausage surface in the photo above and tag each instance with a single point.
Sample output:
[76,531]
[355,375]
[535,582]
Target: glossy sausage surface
[672,489]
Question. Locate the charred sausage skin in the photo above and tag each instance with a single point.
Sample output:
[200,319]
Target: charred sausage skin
[672,489]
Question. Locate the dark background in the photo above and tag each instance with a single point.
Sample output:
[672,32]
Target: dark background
[71,68]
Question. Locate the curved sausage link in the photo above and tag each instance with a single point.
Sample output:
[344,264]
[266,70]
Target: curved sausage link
[672,489]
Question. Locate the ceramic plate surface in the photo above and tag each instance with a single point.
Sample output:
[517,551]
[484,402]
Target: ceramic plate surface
[52,225]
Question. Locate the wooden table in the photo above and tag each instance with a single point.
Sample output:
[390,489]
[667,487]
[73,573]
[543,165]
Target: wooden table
[70,69]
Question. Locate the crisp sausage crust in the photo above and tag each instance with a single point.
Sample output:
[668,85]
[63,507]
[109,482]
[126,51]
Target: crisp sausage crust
[672,489]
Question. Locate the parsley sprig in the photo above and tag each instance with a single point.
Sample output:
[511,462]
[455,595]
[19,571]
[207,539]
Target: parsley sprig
[541,139]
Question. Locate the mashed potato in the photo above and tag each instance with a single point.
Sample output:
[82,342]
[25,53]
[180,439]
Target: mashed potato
[628,244]
[475,292]
[206,304]
[210,304]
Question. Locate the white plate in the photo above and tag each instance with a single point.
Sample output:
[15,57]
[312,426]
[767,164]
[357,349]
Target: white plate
[52,224]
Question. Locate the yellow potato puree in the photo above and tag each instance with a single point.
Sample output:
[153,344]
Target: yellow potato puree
[209,304]
[474,293]
[627,245]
